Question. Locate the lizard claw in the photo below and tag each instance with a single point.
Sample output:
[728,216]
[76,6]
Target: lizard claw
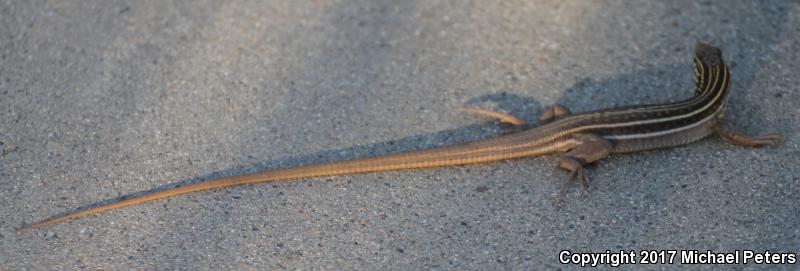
[768,139]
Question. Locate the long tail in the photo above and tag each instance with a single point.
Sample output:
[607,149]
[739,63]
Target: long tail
[495,149]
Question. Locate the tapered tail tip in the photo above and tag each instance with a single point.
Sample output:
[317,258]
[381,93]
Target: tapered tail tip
[24,228]
[43,223]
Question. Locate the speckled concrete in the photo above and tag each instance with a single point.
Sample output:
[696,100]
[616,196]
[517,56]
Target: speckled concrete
[101,99]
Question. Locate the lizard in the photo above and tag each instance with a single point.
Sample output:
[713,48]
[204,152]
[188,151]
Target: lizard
[582,138]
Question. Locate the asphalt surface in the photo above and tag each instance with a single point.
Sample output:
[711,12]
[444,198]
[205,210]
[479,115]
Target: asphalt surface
[102,99]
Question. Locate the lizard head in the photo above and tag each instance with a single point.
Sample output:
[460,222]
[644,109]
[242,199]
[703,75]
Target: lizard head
[708,54]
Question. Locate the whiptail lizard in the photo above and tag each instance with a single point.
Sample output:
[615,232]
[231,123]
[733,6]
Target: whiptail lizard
[585,137]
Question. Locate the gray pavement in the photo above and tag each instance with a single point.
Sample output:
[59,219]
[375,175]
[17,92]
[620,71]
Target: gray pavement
[102,99]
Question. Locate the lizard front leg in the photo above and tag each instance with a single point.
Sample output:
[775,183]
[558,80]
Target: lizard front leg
[726,131]
[553,113]
[590,148]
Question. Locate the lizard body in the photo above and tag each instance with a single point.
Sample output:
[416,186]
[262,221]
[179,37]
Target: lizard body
[584,137]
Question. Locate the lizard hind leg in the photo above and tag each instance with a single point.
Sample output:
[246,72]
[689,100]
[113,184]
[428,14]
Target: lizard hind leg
[553,113]
[726,131]
[502,117]
[589,149]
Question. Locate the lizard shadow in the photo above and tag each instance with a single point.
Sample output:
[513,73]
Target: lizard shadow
[653,84]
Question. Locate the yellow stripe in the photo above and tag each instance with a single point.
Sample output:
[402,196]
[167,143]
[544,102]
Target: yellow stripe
[650,121]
